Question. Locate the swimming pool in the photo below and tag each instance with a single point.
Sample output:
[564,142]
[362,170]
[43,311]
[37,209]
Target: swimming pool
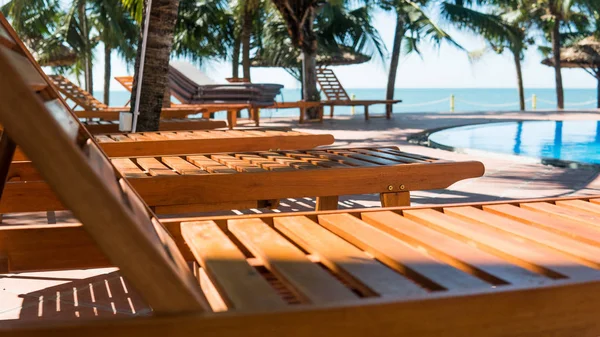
[574,141]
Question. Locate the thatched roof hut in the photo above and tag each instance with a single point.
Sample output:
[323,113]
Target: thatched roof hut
[585,55]
[340,58]
[61,56]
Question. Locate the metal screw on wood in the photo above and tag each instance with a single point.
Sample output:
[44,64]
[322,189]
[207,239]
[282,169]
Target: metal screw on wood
[402,187]
[390,188]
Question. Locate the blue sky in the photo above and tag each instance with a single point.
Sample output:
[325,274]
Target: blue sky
[446,67]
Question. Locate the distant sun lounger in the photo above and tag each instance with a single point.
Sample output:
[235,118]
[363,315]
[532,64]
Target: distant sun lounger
[232,108]
[91,108]
[509,268]
[337,96]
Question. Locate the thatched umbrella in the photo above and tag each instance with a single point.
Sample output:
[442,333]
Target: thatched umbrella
[585,55]
[61,56]
[343,57]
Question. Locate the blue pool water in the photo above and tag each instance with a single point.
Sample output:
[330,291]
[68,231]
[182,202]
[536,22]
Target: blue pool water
[577,141]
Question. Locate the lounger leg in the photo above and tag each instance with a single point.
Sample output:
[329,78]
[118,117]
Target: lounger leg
[231,118]
[256,116]
[366,112]
[388,111]
[327,203]
[272,203]
[395,199]
[331,111]
[302,113]
[4,264]
[321,113]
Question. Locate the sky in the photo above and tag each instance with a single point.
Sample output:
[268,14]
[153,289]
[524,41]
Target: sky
[444,67]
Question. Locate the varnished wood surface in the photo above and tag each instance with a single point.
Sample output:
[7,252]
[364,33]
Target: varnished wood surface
[398,264]
[251,176]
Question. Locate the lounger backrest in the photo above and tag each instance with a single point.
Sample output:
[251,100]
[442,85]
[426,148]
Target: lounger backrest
[331,86]
[76,94]
[82,176]
[125,81]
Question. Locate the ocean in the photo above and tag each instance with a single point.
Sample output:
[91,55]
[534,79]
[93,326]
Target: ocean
[429,100]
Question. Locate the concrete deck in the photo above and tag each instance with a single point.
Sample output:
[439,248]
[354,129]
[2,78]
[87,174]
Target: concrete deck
[99,293]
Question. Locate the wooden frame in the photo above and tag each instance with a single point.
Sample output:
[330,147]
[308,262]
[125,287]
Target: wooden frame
[207,182]
[337,95]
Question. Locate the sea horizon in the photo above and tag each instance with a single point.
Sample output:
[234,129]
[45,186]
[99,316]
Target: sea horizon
[427,100]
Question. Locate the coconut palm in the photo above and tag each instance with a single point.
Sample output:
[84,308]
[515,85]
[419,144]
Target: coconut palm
[162,18]
[555,18]
[37,23]
[504,25]
[117,31]
[412,26]
[317,24]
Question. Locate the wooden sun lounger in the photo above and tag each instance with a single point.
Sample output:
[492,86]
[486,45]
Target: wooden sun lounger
[93,108]
[521,268]
[300,105]
[223,181]
[232,109]
[337,95]
[167,143]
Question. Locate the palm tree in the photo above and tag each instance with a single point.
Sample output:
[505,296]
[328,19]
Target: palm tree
[504,26]
[162,16]
[117,31]
[312,25]
[412,25]
[299,17]
[552,16]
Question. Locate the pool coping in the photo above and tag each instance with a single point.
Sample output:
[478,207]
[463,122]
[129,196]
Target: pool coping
[422,138]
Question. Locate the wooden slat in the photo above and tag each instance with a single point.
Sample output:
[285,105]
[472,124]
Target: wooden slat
[182,166]
[307,280]
[580,205]
[341,159]
[452,251]
[236,164]
[368,158]
[209,165]
[588,234]
[399,159]
[128,168]
[398,255]
[64,118]
[155,167]
[565,213]
[27,71]
[506,246]
[239,284]
[585,254]
[103,167]
[358,269]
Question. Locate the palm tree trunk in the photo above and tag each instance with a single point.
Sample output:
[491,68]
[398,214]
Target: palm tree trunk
[156,65]
[87,57]
[246,32]
[517,59]
[598,88]
[235,58]
[309,80]
[555,35]
[107,73]
[399,34]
